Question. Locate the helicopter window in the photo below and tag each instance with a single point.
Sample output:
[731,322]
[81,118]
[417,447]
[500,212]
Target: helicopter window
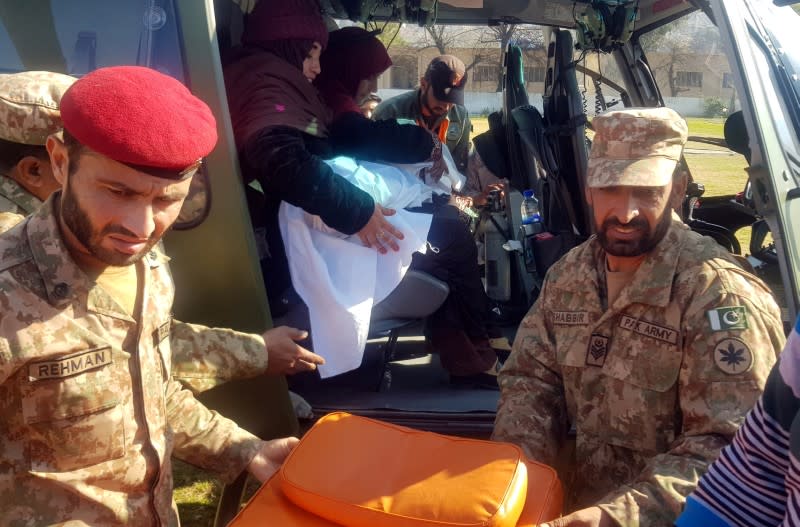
[600,82]
[78,36]
[694,77]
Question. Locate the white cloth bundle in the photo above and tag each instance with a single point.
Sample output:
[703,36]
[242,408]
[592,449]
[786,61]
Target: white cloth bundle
[336,276]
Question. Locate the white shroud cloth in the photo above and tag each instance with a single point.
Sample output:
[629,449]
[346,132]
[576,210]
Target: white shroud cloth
[336,276]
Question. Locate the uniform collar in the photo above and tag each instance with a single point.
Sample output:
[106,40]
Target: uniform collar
[15,193]
[652,282]
[64,281]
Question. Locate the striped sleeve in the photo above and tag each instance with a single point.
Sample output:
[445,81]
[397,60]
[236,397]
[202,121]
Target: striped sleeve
[756,480]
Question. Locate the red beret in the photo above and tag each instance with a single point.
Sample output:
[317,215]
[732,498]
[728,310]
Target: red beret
[139,117]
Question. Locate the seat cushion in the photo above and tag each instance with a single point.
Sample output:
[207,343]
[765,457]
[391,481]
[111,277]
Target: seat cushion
[416,296]
[362,472]
[269,506]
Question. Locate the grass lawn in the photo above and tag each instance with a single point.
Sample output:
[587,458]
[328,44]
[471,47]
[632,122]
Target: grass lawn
[197,492]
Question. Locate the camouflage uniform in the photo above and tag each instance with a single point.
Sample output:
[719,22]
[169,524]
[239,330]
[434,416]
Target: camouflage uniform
[457,123]
[15,203]
[28,114]
[90,414]
[656,384]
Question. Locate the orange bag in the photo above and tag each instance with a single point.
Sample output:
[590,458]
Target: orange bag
[391,475]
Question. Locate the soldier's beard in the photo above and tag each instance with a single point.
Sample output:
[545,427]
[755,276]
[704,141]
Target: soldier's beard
[433,113]
[646,242]
[78,222]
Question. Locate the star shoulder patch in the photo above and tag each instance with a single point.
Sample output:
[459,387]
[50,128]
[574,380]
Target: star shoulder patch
[733,356]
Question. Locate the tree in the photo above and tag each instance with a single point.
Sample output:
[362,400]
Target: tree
[388,33]
[445,38]
[441,37]
[668,48]
[526,37]
[672,46]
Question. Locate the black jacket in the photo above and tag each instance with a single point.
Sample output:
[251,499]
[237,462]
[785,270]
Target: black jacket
[354,135]
[288,165]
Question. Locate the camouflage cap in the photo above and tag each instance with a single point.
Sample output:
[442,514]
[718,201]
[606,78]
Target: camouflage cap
[447,76]
[29,105]
[635,147]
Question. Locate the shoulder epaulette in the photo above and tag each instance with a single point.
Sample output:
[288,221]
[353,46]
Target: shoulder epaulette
[13,247]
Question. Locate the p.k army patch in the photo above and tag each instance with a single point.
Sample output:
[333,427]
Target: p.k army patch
[732,356]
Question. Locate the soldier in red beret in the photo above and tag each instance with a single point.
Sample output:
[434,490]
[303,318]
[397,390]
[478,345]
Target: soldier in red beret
[91,415]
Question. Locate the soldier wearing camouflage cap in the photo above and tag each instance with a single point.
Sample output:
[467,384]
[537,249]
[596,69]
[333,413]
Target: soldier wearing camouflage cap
[28,114]
[648,339]
[91,410]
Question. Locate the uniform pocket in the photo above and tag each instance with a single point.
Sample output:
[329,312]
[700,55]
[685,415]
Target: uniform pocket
[640,403]
[73,412]
[454,131]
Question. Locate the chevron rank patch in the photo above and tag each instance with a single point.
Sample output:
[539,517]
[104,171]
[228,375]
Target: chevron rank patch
[726,318]
[597,351]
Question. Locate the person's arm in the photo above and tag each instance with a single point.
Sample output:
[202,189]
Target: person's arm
[532,412]
[480,181]
[279,159]
[385,110]
[721,377]
[204,438]
[746,485]
[204,357]
[207,440]
[461,149]
[354,135]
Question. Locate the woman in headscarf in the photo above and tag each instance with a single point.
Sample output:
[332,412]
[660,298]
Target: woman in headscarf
[351,65]
[283,130]
[354,60]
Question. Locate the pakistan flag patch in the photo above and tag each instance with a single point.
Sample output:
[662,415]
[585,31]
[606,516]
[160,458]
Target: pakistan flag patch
[725,318]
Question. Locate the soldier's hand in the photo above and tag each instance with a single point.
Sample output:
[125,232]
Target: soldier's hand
[269,458]
[379,233]
[285,355]
[591,517]
[481,199]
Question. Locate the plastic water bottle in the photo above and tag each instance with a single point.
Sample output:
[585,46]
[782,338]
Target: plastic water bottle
[530,213]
